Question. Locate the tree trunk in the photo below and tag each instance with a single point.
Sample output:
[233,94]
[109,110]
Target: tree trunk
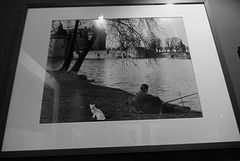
[69,56]
[84,53]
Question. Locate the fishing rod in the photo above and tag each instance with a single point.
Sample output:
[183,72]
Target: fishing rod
[180,97]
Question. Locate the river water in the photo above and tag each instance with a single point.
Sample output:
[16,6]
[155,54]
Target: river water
[167,78]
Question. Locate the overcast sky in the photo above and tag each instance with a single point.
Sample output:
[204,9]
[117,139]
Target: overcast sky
[174,27]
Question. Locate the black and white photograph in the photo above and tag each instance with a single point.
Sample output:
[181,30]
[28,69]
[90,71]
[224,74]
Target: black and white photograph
[119,69]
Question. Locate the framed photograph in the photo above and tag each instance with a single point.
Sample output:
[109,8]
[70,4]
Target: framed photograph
[117,77]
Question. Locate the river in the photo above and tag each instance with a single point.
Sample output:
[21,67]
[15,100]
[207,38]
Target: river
[167,78]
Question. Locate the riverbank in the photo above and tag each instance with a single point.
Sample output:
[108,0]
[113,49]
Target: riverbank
[76,92]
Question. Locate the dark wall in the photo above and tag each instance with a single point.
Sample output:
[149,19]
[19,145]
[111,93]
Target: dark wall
[225,14]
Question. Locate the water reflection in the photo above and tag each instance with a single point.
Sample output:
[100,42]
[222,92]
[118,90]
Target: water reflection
[167,78]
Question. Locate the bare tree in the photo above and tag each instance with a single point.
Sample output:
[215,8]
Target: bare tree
[84,53]
[128,33]
[169,44]
[173,43]
[69,56]
[123,35]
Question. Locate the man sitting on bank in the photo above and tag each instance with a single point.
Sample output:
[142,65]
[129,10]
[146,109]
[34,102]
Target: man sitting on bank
[146,103]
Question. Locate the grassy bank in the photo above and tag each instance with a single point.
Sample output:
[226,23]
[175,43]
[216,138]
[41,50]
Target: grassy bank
[77,92]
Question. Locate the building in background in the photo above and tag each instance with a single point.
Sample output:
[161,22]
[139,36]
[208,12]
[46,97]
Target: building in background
[59,41]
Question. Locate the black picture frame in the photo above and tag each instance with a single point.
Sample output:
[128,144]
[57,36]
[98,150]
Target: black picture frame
[12,58]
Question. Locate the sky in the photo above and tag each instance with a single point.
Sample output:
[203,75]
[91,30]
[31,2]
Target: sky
[174,27]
